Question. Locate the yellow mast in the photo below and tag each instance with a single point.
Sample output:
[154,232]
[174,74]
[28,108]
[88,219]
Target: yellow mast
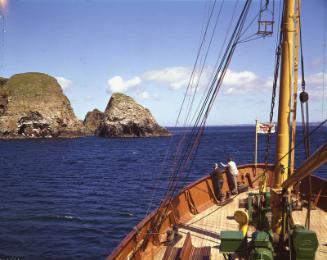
[295,83]
[282,158]
[284,109]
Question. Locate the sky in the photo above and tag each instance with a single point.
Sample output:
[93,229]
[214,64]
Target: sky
[147,49]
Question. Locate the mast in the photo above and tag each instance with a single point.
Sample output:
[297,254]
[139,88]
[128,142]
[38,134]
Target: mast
[284,110]
[295,83]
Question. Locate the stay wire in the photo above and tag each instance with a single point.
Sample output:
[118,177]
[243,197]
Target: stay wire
[207,107]
[217,63]
[305,118]
[194,132]
[204,62]
[196,123]
[187,154]
[200,133]
[249,25]
[213,93]
[181,108]
[273,95]
[302,141]
[253,38]
[196,60]
[186,93]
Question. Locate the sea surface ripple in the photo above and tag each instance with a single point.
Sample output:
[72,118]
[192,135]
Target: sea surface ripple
[78,198]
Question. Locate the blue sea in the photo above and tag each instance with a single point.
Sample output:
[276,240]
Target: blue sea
[78,198]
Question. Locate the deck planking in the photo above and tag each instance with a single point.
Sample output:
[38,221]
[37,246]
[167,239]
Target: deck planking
[205,227]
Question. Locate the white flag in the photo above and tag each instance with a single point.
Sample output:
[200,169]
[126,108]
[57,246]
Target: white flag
[263,128]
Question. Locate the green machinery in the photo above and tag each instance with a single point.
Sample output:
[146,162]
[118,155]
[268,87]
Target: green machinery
[258,205]
[304,243]
[234,243]
[262,244]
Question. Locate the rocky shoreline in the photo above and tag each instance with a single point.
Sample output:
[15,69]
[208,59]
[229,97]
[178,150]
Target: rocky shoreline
[33,105]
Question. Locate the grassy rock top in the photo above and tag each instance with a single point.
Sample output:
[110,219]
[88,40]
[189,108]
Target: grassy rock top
[31,86]
[33,105]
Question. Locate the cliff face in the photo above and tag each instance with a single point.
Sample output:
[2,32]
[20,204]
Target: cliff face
[93,120]
[126,118]
[33,105]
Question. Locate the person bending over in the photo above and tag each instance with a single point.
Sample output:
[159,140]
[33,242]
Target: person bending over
[232,173]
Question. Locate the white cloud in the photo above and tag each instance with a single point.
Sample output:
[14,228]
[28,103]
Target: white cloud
[268,83]
[238,82]
[88,98]
[118,84]
[230,90]
[314,84]
[178,77]
[64,83]
[147,95]
[174,77]
[315,79]
[234,78]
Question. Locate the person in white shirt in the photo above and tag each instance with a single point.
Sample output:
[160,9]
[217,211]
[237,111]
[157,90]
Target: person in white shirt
[232,173]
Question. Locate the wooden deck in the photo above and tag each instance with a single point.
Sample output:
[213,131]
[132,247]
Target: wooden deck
[206,226]
[195,209]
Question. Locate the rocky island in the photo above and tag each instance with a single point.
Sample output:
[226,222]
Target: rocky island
[33,105]
[124,117]
[92,121]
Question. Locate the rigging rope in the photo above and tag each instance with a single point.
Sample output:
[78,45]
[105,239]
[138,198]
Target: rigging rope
[302,141]
[198,129]
[304,98]
[202,41]
[196,62]
[203,64]
[217,63]
[273,98]
[184,161]
[184,138]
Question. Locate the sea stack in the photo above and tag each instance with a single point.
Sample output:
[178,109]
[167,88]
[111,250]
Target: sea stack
[34,105]
[93,120]
[126,118]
